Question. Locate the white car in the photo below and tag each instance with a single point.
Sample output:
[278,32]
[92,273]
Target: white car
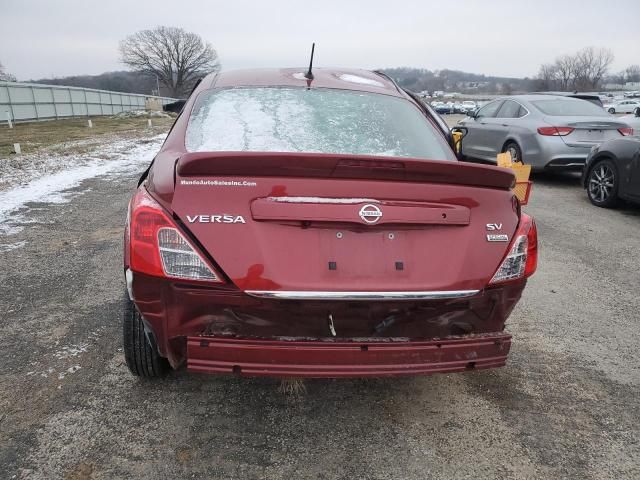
[469,106]
[625,106]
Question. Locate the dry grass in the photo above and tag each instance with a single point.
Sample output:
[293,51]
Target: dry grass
[292,386]
[34,136]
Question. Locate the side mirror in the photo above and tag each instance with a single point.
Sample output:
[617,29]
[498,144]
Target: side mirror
[472,113]
[457,134]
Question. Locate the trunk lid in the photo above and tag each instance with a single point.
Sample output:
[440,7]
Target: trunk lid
[315,222]
[588,131]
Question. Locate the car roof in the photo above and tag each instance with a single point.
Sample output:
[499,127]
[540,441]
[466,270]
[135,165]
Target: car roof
[569,94]
[337,78]
[540,96]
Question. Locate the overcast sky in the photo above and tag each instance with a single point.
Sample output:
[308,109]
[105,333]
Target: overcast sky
[42,38]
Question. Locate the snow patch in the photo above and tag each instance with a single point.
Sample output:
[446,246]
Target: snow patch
[71,351]
[69,370]
[12,246]
[347,77]
[115,158]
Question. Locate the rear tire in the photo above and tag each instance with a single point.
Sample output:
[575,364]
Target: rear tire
[612,110]
[602,184]
[142,358]
[514,149]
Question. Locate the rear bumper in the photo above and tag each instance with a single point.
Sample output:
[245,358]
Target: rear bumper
[340,359]
[568,163]
[554,154]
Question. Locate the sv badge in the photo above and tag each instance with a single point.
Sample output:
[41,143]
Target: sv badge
[492,227]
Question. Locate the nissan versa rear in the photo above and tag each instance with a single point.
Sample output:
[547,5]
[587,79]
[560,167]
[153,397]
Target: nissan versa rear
[319,227]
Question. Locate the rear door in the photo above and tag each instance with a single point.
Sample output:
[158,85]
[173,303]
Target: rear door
[507,124]
[626,106]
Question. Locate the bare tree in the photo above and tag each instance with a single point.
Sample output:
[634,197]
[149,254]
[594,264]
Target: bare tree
[176,57]
[584,70]
[547,77]
[566,67]
[592,65]
[4,76]
[631,73]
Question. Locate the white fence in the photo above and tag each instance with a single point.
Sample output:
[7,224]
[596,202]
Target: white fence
[33,101]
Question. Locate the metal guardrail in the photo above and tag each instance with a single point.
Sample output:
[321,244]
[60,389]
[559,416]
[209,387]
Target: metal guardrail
[33,101]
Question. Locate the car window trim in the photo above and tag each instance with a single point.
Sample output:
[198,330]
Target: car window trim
[514,101]
[501,100]
[522,106]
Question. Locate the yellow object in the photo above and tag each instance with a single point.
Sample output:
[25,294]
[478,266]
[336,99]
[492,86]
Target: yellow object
[521,190]
[522,173]
[504,160]
[457,140]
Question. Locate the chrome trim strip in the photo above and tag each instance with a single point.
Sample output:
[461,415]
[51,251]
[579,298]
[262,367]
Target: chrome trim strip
[311,295]
[565,165]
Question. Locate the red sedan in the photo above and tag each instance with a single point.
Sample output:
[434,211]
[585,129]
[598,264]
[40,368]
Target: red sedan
[319,227]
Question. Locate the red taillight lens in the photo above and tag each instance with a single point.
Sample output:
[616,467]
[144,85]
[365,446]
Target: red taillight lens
[555,131]
[532,249]
[522,259]
[158,248]
[626,131]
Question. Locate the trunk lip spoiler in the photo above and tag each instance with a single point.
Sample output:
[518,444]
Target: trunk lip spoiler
[362,295]
[341,166]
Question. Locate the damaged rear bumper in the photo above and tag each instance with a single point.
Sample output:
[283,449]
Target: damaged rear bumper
[339,359]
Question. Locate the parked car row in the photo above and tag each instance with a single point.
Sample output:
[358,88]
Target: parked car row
[559,132]
[545,131]
[454,107]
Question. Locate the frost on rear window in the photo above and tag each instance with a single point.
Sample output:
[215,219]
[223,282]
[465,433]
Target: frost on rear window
[315,121]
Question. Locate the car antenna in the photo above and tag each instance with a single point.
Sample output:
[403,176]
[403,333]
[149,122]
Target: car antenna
[309,74]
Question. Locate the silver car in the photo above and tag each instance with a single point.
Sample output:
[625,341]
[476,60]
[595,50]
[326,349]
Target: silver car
[545,131]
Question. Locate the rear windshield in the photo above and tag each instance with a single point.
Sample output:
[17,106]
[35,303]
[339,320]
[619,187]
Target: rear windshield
[565,107]
[316,120]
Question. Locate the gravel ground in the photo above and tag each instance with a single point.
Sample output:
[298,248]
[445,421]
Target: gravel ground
[565,406]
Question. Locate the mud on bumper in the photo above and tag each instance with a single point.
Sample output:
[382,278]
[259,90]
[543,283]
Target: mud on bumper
[333,359]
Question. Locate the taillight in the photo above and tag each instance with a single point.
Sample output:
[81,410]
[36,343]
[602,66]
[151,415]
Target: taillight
[555,131]
[158,247]
[626,131]
[522,259]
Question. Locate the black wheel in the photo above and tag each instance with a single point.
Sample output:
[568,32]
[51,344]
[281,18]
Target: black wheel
[141,356]
[514,149]
[636,112]
[612,110]
[602,184]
